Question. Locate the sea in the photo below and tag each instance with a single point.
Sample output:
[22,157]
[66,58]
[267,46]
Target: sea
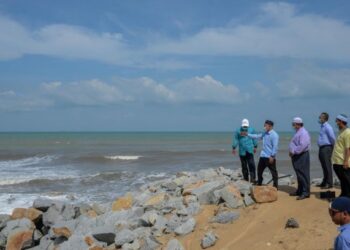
[101,166]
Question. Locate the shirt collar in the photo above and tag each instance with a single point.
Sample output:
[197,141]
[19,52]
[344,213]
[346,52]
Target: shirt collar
[344,227]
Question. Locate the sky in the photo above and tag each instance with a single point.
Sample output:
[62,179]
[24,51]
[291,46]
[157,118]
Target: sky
[159,65]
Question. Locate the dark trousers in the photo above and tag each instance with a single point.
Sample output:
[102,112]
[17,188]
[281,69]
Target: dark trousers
[324,155]
[248,166]
[263,163]
[301,165]
[344,178]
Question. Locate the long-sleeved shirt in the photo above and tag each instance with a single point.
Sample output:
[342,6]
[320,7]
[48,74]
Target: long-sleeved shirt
[270,143]
[300,142]
[342,242]
[245,143]
[327,136]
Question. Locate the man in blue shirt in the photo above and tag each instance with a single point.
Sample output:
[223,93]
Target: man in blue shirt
[268,152]
[339,210]
[247,148]
[325,143]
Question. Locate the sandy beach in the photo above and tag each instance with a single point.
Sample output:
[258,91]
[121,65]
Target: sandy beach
[262,226]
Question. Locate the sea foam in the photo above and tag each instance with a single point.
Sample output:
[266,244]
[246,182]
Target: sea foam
[123,157]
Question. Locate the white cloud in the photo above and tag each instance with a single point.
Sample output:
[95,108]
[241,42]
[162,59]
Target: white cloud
[142,90]
[10,101]
[63,41]
[312,81]
[208,90]
[280,31]
[85,93]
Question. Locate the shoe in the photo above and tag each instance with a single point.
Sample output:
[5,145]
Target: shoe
[294,194]
[321,185]
[327,186]
[302,197]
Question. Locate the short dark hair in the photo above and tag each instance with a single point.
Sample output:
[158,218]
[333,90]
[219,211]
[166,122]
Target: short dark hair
[326,115]
[269,122]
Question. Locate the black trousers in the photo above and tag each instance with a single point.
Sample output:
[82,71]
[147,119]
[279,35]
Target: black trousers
[344,178]
[301,165]
[264,163]
[324,155]
[248,166]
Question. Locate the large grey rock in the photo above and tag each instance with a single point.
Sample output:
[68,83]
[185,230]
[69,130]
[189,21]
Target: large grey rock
[174,244]
[225,217]
[52,215]
[208,240]
[43,204]
[205,193]
[59,240]
[186,227]
[4,218]
[22,224]
[124,236]
[231,200]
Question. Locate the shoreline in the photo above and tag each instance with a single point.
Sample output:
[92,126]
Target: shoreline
[185,207]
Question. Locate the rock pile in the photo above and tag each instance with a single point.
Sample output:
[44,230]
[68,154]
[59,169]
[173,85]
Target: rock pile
[136,220]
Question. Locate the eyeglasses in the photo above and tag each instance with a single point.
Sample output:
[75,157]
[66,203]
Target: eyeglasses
[333,212]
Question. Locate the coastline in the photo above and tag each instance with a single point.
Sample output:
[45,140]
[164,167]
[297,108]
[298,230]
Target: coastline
[184,207]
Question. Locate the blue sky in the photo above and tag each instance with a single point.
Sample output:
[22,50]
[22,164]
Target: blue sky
[171,65]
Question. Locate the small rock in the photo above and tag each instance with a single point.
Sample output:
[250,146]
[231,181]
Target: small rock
[248,200]
[186,227]
[174,244]
[262,194]
[169,186]
[292,223]
[225,217]
[149,218]
[122,203]
[208,240]
[59,240]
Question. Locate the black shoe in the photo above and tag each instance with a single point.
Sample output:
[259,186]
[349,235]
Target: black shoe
[302,197]
[321,185]
[327,186]
[294,194]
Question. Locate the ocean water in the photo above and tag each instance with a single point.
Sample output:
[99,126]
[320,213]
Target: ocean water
[98,167]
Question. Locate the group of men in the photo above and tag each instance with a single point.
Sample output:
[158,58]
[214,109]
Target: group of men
[334,153]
